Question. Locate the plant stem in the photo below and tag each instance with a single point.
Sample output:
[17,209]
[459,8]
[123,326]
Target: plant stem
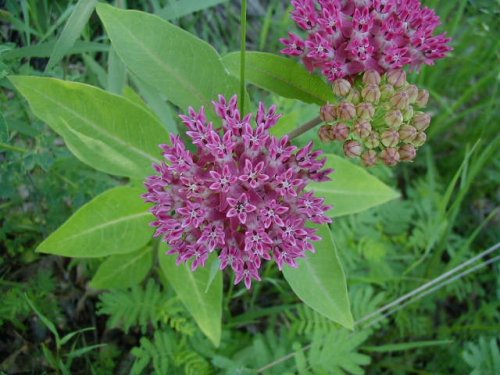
[302,129]
[242,54]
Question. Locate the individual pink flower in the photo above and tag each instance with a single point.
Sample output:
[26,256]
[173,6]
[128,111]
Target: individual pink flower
[347,37]
[241,194]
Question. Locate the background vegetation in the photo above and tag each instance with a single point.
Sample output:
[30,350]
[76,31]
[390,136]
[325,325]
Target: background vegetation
[51,320]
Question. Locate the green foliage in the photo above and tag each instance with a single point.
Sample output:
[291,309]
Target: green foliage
[282,76]
[167,356]
[123,270]
[179,8]
[205,305]
[72,30]
[143,307]
[15,308]
[57,360]
[445,217]
[108,132]
[483,357]
[352,188]
[176,63]
[319,281]
[334,353]
[305,321]
[115,222]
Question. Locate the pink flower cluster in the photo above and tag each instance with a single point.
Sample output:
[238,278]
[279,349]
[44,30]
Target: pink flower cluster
[346,37]
[241,192]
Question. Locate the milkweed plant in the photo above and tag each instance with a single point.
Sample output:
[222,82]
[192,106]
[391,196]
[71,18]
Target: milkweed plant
[227,190]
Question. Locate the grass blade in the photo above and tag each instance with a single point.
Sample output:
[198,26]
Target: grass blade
[177,9]
[71,31]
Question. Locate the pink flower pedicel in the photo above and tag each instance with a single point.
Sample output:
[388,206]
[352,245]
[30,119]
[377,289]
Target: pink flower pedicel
[241,194]
[346,37]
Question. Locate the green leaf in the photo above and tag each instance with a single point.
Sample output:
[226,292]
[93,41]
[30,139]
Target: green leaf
[282,76]
[352,188]
[157,103]
[123,270]
[45,49]
[319,281]
[185,69]
[71,31]
[180,8]
[79,352]
[106,131]
[405,346]
[70,335]
[117,73]
[115,222]
[44,319]
[205,307]
[4,130]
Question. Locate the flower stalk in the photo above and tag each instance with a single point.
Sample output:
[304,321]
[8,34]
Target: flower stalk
[243,53]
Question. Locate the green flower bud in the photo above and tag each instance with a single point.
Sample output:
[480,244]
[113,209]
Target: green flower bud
[407,153]
[390,156]
[328,113]
[386,92]
[340,132]
[421,121]
[346,111]
[408,113]
[365,111]
[369,158]
[354,96]
[407,133]
[422,98]
[393,119]
[372,141]
[371,93]
[371,78]
[326,133]
[401,100]
[362,129]
[390,138]
[341,87]
[420,139]
[412,92]
[397,78]
[352,149]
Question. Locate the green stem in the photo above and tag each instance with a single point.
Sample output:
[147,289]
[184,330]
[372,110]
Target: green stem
[242,54]
[302,129]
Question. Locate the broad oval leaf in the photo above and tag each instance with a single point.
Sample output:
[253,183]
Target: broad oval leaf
[123,270]
[205,305]
[176,63]
[115,222]
[352,188]
[282,76]
[319,281]
[106,131]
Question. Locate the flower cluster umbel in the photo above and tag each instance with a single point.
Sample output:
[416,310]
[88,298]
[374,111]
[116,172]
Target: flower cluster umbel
[241,194]
[376,118]
[346,37]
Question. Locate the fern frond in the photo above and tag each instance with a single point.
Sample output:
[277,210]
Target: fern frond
[337,352]
[305,321]
[364,300]
[134,307]
[192,363]
[156,353]
[165,354]
[484,357]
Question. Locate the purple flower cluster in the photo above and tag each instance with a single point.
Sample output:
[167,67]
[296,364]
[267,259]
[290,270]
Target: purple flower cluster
[241,193]
[346,37]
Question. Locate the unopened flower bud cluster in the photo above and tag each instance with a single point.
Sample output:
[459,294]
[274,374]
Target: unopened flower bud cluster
[377,118]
